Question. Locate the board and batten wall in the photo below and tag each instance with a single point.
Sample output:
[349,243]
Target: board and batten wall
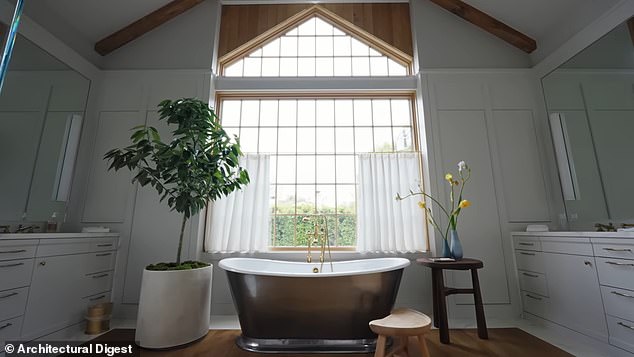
[491,119]
[495,121]
[149,230]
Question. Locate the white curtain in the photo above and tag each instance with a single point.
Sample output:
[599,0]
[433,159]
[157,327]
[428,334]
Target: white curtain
[384,224]
[240,221]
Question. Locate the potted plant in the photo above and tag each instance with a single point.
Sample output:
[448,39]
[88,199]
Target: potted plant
[199,164]
[451,243]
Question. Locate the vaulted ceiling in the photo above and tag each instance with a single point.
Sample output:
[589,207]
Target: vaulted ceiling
[91,20]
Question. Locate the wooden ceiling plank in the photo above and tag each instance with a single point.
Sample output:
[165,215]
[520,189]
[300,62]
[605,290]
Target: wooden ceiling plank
[144,25]
[489,24]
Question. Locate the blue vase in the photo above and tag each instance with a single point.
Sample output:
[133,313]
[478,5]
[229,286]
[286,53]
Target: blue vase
[454,245]
[446,252]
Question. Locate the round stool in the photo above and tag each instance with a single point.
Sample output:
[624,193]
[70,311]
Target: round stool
[401,324]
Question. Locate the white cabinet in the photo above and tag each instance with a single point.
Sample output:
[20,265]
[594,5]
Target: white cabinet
[582,281]
[49,282]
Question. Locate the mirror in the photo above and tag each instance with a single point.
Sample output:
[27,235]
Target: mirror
[590,101]
[42,105]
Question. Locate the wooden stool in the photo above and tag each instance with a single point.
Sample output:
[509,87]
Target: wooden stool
[401,324]
[440,292]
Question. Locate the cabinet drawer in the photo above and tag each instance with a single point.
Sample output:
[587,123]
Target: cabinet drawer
[13,302]
[616,272]
[95,299]
[530,261]
[621,333]
[98,262]
[53,247]
[536,305]
[104,244]
[618,302]
[568,245]
[11,250]
[10,329]
[623,251]
[15,273]
[533,282]
[96,283]
[527,243]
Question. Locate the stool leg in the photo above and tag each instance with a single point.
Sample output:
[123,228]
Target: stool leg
[477,296]
[405,343]
[380,346]
[423,346]
[442,307]
[434,293]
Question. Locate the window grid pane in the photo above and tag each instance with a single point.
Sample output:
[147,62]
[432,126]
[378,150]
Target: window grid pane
[313,145]
[314,48]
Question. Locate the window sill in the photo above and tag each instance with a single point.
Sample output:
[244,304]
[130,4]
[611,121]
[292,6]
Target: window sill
[301,255]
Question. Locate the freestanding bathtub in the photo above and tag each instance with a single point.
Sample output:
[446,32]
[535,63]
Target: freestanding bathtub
[285,307]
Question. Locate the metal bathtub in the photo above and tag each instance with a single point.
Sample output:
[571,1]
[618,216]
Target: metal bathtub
[285,307]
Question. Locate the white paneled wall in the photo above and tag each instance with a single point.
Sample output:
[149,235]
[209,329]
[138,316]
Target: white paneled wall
[149,231]
[495,122]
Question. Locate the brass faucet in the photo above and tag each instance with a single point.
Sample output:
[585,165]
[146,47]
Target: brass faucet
[319,236]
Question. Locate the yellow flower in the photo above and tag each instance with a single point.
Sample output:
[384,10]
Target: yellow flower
[422,204]
[449,178]
[464,204]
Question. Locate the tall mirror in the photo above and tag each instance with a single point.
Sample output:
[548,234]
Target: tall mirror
[42,106]
[590,100]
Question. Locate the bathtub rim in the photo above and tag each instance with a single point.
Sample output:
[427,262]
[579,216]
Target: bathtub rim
[399,263]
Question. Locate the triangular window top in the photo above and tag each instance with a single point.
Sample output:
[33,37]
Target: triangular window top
[314,48]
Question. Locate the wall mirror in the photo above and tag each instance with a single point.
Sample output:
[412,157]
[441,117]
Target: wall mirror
[42,106]
[590,101]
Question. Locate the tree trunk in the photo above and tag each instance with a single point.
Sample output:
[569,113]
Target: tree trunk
[180,241]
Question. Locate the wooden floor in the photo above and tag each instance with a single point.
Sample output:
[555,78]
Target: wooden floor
[507,342]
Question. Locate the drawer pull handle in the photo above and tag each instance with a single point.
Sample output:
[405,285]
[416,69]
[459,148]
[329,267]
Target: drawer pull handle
[617,249]
[100,276]
[624,325]
[13,251]
[97,297]
[524,253]
[103,254]
[621,294]
[104,245]
[11,265]
[528,244]
[621,264]
[8,295]
[5,325]
[533,297]
[531,275]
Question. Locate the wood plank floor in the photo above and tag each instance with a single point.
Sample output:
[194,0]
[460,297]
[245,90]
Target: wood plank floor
[506,342]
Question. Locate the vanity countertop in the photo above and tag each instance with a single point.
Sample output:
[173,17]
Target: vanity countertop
[577,234]
[4,236]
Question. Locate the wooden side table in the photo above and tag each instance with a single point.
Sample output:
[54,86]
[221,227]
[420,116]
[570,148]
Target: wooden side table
[440,293]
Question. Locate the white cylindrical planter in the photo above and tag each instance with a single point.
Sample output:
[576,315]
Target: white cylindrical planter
[174,307]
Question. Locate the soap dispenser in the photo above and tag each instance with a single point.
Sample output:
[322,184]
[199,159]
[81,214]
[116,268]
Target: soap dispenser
[51,225]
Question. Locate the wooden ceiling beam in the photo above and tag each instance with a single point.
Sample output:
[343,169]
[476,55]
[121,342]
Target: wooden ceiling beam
[630,25]
[489,24]
[144,25]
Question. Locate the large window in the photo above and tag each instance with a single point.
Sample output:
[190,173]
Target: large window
[314,138]
[314,142]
